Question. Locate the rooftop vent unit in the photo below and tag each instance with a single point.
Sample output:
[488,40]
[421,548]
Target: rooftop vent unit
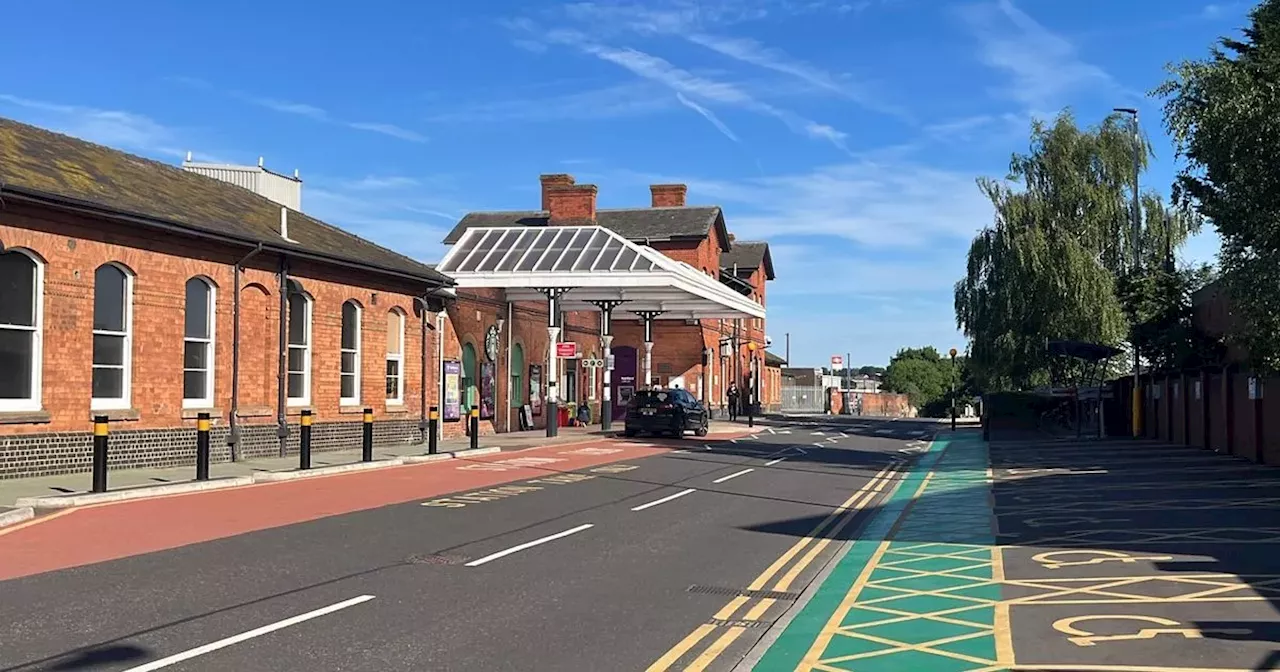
[282,189]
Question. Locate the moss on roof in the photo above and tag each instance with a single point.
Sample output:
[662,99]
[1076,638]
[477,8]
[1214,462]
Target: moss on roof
[38,160]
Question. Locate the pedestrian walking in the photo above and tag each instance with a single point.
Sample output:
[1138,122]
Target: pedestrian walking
[733,395]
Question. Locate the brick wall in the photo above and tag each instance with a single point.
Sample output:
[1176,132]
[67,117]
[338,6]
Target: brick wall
[156,429]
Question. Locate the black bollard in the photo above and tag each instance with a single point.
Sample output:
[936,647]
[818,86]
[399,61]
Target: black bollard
[99,453]
[366,447]
[202,447]
[474,423]
[433,424]
[304,441]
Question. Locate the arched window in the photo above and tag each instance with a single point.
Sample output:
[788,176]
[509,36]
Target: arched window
[299,365]
[470,379]
[112,337]
[197,345]
[395,357]
[517,375]
[21,317]
[349,374]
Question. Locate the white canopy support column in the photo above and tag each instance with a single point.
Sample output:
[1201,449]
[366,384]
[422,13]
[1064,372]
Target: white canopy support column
[606,344]
[553,295]
[648,316]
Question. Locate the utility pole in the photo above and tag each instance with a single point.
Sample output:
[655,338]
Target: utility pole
[1137,258]
[953,389]
[788,355]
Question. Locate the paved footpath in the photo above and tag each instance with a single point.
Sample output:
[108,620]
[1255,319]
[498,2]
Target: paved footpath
[1117,556]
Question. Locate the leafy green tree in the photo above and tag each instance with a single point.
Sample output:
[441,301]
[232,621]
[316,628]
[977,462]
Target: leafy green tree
[925,376]
[1223,113]
[1047,267]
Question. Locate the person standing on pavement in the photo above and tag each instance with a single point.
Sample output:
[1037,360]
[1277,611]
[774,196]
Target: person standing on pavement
[733,395]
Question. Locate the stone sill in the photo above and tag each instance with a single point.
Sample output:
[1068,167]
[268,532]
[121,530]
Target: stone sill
[215,414]
[25,417]
[255,412]
[117,414]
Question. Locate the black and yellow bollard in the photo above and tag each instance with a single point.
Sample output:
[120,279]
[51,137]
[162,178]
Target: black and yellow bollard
[304,441]
[99,453]
[202,447]
[474,424]
[366,446]
[433,424]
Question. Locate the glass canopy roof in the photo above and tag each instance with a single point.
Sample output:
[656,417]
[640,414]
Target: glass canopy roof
[595,264]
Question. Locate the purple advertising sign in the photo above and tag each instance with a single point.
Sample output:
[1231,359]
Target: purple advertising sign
[452,391]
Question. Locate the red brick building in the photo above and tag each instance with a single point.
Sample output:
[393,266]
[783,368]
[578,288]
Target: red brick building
[690,353]
[118,297]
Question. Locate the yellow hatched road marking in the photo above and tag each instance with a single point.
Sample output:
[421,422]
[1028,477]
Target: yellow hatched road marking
[824,638]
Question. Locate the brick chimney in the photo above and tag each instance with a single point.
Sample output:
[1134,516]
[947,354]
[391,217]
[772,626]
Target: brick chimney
[668,195]
[571,204]
[551,181]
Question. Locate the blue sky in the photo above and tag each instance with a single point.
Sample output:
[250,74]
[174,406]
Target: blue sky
[848,133]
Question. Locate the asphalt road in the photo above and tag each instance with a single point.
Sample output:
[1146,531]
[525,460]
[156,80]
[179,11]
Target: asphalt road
[586,570]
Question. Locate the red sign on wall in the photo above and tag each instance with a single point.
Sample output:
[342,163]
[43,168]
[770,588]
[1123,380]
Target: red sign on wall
[566,350]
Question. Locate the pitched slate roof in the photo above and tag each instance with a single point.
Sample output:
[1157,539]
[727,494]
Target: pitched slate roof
[748,255]
[635,224]
[55,168]
[771,359]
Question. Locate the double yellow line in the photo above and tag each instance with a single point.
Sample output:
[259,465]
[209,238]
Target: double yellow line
[815,542]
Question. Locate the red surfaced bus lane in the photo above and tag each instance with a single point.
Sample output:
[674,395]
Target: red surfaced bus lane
[110,531]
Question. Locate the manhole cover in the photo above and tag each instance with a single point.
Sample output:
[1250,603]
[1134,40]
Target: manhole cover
[737,592]
[435,559]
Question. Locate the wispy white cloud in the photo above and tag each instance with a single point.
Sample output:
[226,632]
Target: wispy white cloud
[112,128]
[885,204]
[620,100]
[696,87]
[324,116]
[378,183]
[708,115]
[1045,68]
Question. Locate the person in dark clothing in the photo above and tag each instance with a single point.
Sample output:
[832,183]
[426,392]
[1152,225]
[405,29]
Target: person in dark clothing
[733,395]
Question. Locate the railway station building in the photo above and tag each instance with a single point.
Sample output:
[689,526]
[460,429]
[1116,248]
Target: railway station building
[151,293]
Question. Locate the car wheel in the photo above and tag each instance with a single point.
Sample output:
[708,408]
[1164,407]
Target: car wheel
[703,430]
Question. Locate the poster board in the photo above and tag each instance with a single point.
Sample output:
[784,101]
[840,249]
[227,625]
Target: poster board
[526,417]
[535,388]
[487,391]
[452,411]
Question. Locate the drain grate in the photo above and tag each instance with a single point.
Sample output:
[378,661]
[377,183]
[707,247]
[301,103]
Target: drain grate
[737,592]
[739,624]
[434,559]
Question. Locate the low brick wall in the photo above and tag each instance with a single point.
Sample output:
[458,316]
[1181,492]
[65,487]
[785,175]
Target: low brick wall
[53,453]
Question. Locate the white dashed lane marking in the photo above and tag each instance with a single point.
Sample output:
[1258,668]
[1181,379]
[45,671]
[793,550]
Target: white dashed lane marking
[733,475]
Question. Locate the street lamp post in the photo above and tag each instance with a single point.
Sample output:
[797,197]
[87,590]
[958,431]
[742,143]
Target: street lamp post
[953,389]
[1137,259]
[750,384]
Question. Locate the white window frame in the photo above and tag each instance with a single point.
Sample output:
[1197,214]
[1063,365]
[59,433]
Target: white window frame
[124,401]
[34,401]
[397,400]
[350,401]
[207,400]
[305,399]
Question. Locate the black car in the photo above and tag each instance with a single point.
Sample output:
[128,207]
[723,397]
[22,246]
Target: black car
[666,412]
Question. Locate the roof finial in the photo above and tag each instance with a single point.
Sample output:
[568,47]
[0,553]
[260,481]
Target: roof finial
[260,161]
[188,156]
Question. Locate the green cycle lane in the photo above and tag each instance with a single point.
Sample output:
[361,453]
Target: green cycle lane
[919,589]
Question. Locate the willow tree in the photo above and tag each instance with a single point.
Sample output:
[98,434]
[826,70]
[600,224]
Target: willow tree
[1047,267]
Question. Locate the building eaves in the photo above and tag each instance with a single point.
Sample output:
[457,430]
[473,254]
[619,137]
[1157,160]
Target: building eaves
[636,224]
